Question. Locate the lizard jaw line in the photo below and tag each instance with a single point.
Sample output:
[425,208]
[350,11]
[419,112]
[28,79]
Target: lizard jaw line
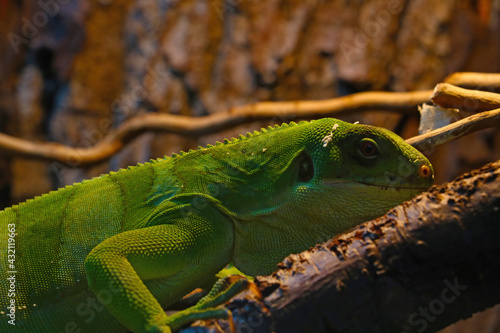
[382,187]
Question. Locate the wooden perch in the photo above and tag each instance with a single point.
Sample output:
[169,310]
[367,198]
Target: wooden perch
[452,97]
[423,266]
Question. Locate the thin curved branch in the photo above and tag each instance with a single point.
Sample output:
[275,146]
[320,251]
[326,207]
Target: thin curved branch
[192,126]
[456,130]
[401,102]
[282,111]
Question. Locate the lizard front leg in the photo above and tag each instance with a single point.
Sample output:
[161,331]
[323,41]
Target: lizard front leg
[157,265]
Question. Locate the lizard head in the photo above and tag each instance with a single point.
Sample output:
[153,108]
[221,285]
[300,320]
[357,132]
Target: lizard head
[304,183]
[365,168]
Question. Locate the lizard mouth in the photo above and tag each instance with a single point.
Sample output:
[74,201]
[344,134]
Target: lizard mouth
[394,184]
[397,188]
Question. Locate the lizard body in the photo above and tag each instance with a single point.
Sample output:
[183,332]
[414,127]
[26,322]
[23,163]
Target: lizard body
[107,254]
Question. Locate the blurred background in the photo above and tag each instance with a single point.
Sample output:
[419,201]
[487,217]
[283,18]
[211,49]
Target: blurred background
[72,70]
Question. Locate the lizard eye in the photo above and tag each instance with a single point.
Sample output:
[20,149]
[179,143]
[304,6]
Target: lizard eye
[306,169]
[368,149]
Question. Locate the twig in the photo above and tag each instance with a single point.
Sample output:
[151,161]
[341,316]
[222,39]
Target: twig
[456,130]
[452,97]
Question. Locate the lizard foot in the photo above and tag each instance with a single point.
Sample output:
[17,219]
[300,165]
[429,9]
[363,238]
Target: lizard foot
[207,308]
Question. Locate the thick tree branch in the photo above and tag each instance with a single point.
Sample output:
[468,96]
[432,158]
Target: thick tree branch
[424,265]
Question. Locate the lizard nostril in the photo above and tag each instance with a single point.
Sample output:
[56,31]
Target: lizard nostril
[424,171]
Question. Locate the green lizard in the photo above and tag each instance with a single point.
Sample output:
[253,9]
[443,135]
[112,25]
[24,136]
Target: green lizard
[108,254]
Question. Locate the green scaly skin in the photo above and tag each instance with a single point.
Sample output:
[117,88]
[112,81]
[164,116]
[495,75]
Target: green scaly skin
[107,254]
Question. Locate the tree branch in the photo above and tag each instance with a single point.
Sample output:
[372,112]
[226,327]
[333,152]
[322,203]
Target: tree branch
[455,130]
[479,81]
[192,126]
[452,97]
[424,265]
[115,140]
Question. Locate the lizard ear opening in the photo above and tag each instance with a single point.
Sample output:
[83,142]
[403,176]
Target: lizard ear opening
[306,168]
